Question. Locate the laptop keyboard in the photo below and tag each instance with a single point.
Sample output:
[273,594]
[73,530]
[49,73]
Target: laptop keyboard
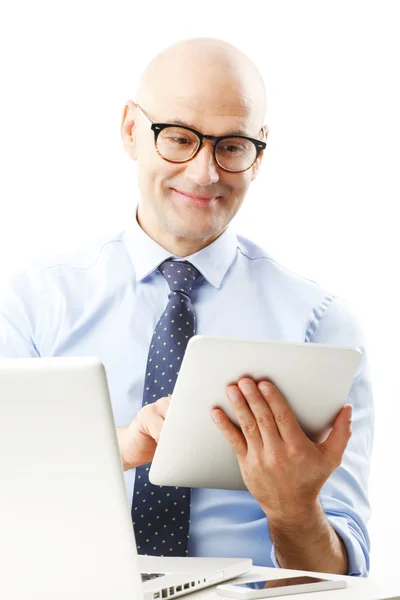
[147,576]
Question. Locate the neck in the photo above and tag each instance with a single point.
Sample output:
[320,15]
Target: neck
[177,245]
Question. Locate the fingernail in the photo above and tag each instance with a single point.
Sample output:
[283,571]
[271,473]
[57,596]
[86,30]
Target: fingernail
[232,394]
[350,413]
[264,387]
[217,418]
[247,388]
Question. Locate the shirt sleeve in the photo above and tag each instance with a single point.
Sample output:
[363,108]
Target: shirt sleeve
[344,497]
[21,313]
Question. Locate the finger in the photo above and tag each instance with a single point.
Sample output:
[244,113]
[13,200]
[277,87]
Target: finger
[244,415]
[260,409]
[285,419]
[155,426]
[151,423]
[162,405]
[230,432]
[335,444]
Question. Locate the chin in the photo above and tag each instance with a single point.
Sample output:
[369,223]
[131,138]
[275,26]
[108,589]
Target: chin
[198,225]
[204,224]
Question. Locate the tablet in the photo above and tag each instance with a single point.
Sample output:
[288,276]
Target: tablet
[192,452]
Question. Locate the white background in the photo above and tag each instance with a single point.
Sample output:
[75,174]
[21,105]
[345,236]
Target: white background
[325,204]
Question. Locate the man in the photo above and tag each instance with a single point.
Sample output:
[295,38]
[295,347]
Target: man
[196,130]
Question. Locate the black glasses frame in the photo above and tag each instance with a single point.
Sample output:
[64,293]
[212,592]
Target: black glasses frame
[157,128]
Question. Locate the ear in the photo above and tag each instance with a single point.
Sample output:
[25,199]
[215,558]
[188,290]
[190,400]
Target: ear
[128,129]
[256,167]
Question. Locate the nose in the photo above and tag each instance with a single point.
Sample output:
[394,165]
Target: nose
[202,169]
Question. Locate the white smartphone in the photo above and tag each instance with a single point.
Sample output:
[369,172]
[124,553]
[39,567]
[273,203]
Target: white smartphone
[278,587]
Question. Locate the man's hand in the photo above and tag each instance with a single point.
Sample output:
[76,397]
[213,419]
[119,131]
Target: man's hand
[138,441]
[281,467]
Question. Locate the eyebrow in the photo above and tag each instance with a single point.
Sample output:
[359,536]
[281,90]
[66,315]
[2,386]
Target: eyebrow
[232,132]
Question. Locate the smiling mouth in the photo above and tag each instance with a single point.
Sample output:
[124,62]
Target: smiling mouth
[194,197]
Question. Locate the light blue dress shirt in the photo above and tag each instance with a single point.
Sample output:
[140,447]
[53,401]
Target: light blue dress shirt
[105,300]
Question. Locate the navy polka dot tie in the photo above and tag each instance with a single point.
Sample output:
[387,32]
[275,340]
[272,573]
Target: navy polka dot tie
[160,514]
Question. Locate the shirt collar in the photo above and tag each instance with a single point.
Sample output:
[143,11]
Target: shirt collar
[212,262]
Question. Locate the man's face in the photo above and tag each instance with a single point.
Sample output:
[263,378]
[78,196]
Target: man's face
[196,199]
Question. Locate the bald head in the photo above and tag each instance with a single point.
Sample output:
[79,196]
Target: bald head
[205,74]
[204,86]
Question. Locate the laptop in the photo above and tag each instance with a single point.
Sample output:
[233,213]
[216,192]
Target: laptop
[65,524]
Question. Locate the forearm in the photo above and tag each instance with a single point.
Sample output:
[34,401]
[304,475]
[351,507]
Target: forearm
[308,542]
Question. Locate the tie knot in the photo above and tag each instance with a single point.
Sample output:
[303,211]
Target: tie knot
[180,276]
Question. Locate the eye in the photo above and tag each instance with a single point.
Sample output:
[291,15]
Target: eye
[231,148]
[235,146]
[181,141]
[177,136]
[234,149]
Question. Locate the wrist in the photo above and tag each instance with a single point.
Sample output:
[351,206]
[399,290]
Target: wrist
[299,517]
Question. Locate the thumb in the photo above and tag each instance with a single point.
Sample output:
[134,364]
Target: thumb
[335,444]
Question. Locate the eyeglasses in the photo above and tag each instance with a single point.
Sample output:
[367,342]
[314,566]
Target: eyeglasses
[178,144]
